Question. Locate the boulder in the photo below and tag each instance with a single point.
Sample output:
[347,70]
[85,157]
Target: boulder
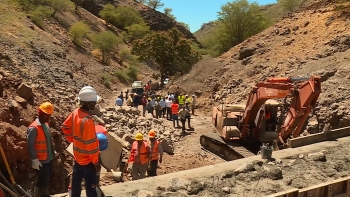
[20,100]
[25,91]
[167,146]
[246,167]
[319,156]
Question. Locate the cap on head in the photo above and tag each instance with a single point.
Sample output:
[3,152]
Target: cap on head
[139,137]
[186,95]
[192,95]
[152,134]
[88,94]
[46,107]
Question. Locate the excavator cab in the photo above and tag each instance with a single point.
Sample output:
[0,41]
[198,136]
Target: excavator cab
[269,121]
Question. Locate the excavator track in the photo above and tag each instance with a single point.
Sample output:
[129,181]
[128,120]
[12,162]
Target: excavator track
[227,150]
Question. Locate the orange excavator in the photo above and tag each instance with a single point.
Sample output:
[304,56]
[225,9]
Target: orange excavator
[244,128]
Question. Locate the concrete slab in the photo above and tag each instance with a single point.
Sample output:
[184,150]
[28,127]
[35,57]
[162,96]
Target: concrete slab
[319,137]
[112,155]
[121,189]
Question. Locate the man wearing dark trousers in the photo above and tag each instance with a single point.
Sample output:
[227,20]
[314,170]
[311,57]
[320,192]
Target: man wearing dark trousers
[41,149]
[156,153]
[79,128]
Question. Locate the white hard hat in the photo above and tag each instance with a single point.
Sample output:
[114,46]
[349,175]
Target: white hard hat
[88,94]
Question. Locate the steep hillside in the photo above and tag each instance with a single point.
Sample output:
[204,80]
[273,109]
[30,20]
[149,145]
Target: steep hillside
[155,19]
[313,42]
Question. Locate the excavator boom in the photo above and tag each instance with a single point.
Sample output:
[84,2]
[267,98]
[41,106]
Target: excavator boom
[256,121]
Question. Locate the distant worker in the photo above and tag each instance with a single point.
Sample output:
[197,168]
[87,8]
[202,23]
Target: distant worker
[181,100]
[168,109]
[174,113]
[139,155]
[119,101]
[41,150]
[156,153]
[79,128]
[144,105]
[184,115]
[193,103]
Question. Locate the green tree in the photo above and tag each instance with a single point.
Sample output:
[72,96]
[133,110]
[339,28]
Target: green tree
[60,5]
[120,16]
[106,42]
[185,25]
[166,49]
[77,31]
[137,31]
[155,4]
[109,14]
[167,12]
[239,20]
[289,5]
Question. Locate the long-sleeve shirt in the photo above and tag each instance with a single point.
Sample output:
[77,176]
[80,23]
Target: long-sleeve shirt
[32,133]
[83,135]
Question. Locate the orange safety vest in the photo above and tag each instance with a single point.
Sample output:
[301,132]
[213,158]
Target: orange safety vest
[154,151]
[268,115]
[174,109]
[40,141]
[144,154]
[79,128]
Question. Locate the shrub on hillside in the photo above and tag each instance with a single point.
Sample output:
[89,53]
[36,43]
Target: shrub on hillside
[137,31]
[121,16]
[127,75]
[107,79]
[77,31]
[125,55]
[61,5]
[106,42]
[38,14]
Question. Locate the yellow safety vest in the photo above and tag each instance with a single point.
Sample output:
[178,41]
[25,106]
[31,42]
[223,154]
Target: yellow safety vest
[181,100]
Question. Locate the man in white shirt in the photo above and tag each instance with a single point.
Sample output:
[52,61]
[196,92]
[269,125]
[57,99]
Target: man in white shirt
[168,109]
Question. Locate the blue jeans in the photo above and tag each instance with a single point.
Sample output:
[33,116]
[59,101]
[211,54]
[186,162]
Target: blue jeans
[88,172]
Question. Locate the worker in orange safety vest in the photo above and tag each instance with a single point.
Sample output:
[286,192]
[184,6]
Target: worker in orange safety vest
[139,155]
[79,128]
[156,153]
[41,149]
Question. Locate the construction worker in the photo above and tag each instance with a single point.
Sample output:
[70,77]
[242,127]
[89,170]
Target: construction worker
[193,103]
[79,128]
[139,155]
[174,113]
[181,100]
[184,115]
[41,149]
[156,153]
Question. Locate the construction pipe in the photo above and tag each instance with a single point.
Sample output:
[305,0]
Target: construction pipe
[8,190]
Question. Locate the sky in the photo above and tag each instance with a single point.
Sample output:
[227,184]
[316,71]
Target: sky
[196,12]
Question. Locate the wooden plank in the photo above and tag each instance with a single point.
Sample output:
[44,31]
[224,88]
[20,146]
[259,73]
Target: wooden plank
[287,193]
[334,188]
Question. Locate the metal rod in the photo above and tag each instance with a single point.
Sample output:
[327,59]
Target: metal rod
[8,190]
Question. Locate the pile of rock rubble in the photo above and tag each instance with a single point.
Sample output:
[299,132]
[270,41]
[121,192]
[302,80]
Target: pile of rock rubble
[126,122]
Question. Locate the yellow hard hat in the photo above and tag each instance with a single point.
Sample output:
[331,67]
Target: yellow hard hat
[46,107]
[139,136]
[152,134]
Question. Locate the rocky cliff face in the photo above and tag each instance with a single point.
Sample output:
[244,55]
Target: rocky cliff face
[156,20]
